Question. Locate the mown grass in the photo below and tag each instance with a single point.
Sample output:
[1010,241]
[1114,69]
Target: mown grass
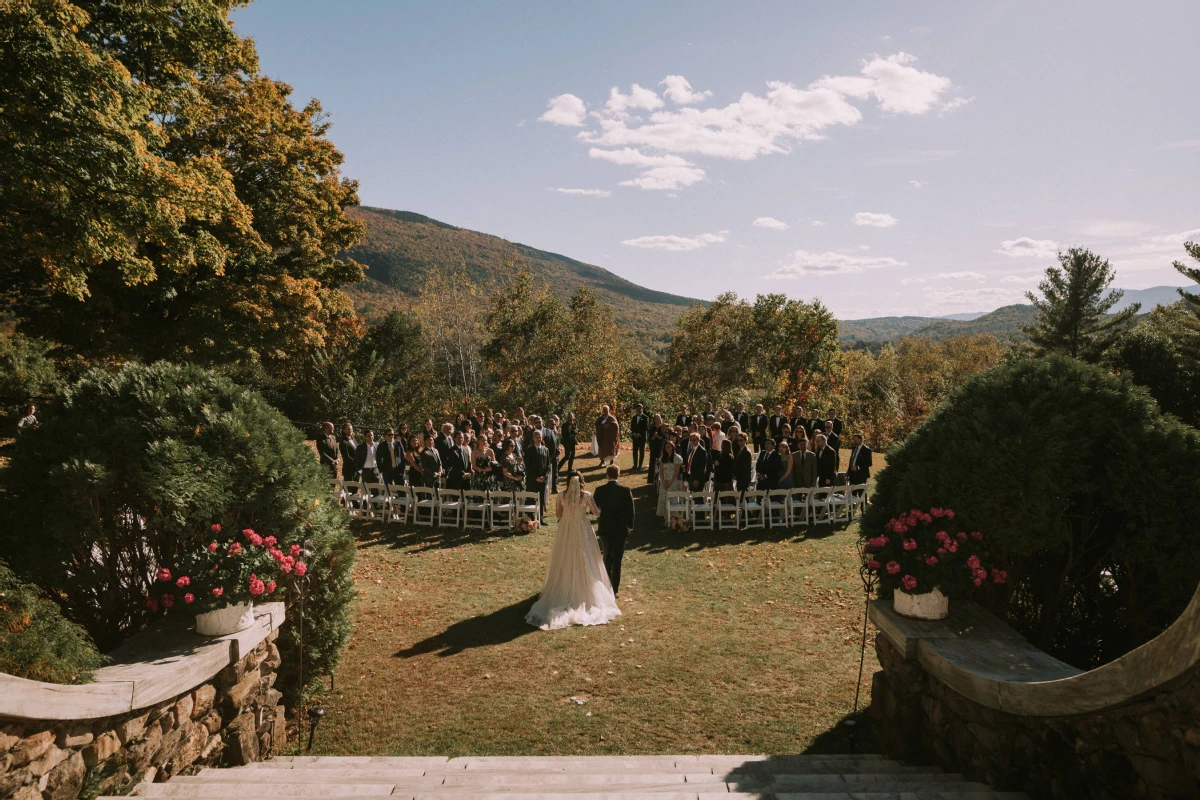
[730,642]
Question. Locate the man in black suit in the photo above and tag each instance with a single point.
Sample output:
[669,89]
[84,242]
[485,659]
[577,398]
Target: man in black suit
[695,463]
[327,449]
[815,423]
[758,428]
[742,463]
[538,469]
[798,420]
[742,418]
[616,522]
[837,423]
[431,461]
[831,438]
[684,419]
[769,467]
[777,421]
[550,440]
[445,442]
[389,455]
[348,449]
[639,429]
[827,461]
[858,469]
[368,467]
[457,465]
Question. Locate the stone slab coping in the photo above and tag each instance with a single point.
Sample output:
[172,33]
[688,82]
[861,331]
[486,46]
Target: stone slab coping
[980,657]
[155,665]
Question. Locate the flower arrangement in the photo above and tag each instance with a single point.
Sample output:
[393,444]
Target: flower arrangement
[528,525]
[920,551]
[677,525]
[225,573]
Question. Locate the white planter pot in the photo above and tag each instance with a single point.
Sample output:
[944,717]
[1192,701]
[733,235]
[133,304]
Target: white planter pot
[225,621]
[928,605]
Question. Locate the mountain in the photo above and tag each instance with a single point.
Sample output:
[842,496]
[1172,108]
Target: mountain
[1149,298]
[399,248]
[879,329]
[1005,323]
[963,316]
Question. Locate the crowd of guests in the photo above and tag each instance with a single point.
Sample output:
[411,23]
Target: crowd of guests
[733,450]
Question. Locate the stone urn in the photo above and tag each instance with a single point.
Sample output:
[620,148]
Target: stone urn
[227,620]
[927,605]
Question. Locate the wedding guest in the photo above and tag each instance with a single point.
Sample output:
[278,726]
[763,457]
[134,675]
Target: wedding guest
[538,469]
[858,468]
[785,433]
[785,459]
[742,465]
[815,423]
[804,466]
[827,461]
[412,462]
[655,441]
[512,475]
[837,423]
[716,436]
[428,428]
[696,464]
[798,420]
[550,440]
[457,465]
[348,449]
[831,438]
[726,464]
[368,467]
[768,467]
[670,469]
[570,441]
[684,419]
[776,423]
[639,429]
[390,456]
[741,417]
[327,449]
[758,427]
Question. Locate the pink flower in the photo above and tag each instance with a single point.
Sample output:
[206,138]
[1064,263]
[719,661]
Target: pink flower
[257,587]
[294,549]
[962,537]
[977,536]
[247,532]
[872,564]
[189,598]
[999,576]
[183,581]
[168,601]
[978,582]
[301,568]
[255,539]
[980,574]
[909,582]
[942,536]
[218,591]
[271,587]
[931,560]
[270,541]
[163,574]
[973,562]
[952,547]
[893,567]
[950,513]
[152,604]
[215,527]
[910,544]
[901,528]
[212,547]
[234,548]
[942,551]
[936,512]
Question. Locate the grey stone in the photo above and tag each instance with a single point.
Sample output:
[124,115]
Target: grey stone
[66,779]
[241,740]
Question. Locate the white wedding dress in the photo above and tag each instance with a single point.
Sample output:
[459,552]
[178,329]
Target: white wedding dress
[576,590]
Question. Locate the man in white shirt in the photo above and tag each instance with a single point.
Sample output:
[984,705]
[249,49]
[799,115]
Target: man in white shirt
[367,465]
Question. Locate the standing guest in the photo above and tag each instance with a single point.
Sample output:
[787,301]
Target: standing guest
[655,440]
[608,435]
[858,469]
[535,424]
[428,428]
[368,467]
[716,437]
[684,419]
[725,417]
[445,442]
[570,441]
[538,470]
[696,464]
[726,464]
[758,427]
[390,457]
[831,438]
[512,475]
[743,464]
[348,449]
[519,416]
[741,417]
[327,448]
[786,480]
[768,467]
[670,472]
[798,421]
[639,430]
[550,439]
[815,423]
[457,465]
[827,461]
[514,434]
[776,423]
[481,465]
[837,422]
[785,434]
[804,466]
[412,462]
[459,421]
[431,461]
[28,421]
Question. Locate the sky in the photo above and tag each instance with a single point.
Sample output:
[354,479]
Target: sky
[885,158]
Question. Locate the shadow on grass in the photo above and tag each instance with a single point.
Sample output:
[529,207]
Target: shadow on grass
[499,627]
[841,738]
[419,538]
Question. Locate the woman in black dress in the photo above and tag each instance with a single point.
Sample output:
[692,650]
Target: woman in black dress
[512,474]
[655,440]
[569,439]
[723,474]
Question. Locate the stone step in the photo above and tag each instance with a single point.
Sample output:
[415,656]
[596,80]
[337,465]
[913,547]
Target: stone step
[374,773]
[942,793]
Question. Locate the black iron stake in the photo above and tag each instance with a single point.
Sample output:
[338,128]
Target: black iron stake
[868,578]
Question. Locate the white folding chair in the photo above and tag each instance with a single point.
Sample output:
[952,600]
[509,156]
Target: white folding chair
[818,502]
[475,509]
[424,500]
[449,503]
[702,511]
[858,499]
[752,509]
[729,503]
[352,498]
[528,505]
[402,502]
[678,506]
[839,505]
[777,508]
[501,509]
[335,486]
[377,502]
[798,507]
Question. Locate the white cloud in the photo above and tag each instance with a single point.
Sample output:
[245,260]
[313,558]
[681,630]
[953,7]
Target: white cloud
[586,192]
[911,157]
[566,109]
[660,178]
[917,184]
[658,172]
[676,243]
[1183,144]
[679,90]
[956,103]
[874,220]
[806,263]
[638,98]
[1022,279]
[816,223]
[1025,247]
[1179,238]
[894,82]
[770,223]
[1115,229]
[988,298]
[959,276]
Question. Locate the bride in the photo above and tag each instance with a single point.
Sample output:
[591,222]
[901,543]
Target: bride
[577,590]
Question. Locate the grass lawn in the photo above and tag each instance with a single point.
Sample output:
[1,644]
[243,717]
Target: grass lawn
[730,642]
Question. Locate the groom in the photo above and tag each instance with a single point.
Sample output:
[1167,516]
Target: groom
[616,521]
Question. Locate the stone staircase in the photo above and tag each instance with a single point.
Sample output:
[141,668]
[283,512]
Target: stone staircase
[694,777]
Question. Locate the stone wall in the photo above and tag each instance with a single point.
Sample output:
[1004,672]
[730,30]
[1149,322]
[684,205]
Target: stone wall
[233,718]
[1147,747]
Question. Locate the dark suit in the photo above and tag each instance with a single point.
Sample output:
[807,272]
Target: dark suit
[804,469]
[327,452]
[616,521]
[837,426]
[538,464]
[550,440]
[384,454]
[743,421]
[827,467]
[683,420]
[834,441]
[456,463]
[776,427]
[367,474]
[349,451]
[815,425]
[742,463]
[444,445]
[858,469]
[798,424]
[758,430]
[639,427]
[695,465]
[431,464]
[769,468]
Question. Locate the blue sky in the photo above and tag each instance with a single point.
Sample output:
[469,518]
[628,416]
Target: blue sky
[887,158]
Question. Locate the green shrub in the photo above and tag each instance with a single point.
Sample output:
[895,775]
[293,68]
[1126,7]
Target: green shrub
[1085,490]
[128,471]
[27,374]
[36,642]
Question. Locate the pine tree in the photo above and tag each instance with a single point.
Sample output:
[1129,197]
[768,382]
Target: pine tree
[1073,313]
[1189,316]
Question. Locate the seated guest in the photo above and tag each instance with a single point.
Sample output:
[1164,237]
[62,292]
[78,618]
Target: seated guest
[327,449]
[431,461]
[726,464]
[742,464]
[858,469]
[827,461]
[804,465]
[368,467]
[348,451]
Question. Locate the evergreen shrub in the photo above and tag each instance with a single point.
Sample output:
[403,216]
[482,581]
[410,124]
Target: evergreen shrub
[36,642]
[1085,490]
[127,473]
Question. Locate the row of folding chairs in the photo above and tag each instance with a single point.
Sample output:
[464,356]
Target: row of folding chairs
[443,508]
[778,508]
